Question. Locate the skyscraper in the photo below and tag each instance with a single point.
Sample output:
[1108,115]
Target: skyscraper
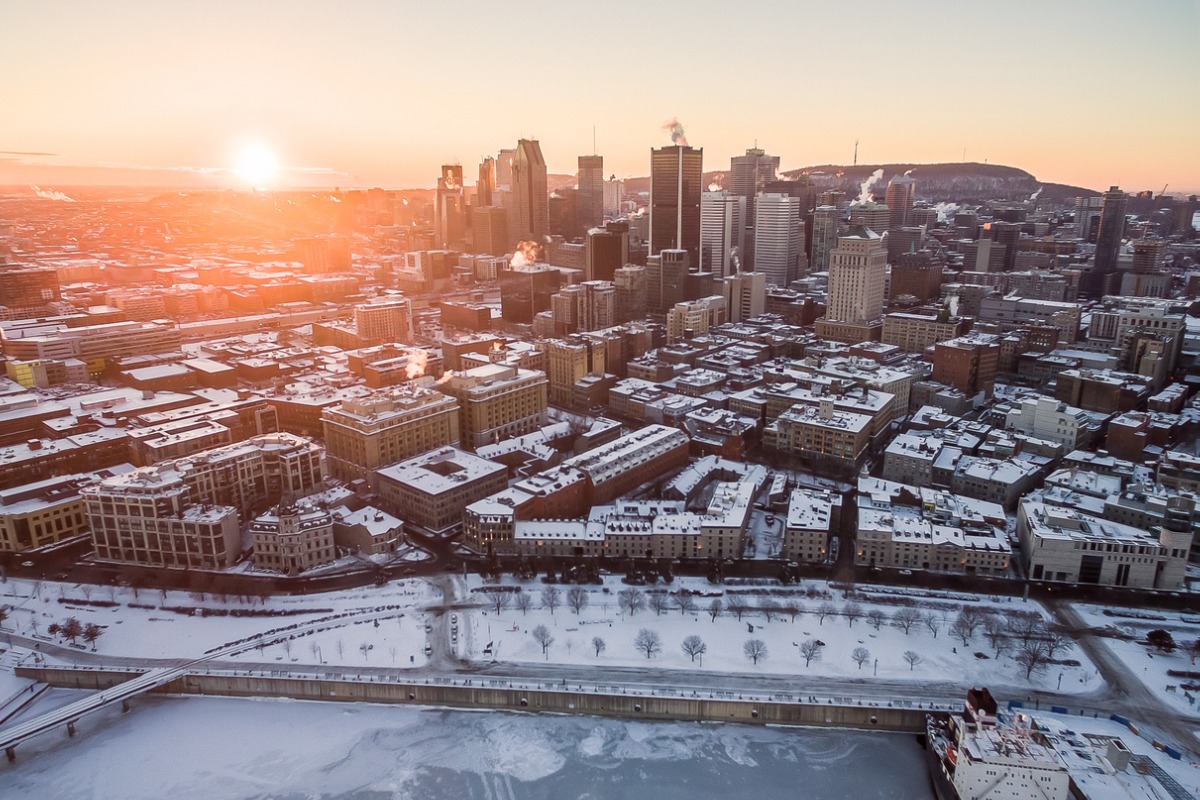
[745,295]
[901,192]
[1147,253]
[530,219]
[504,165]
[857,270]
[778,240]
[749,173]
[1108,242]
[666,279]
[449,210]
[606,250]
[825,232]
[722,233]
[676,174]
[489,230]
[485,187]
[591,192]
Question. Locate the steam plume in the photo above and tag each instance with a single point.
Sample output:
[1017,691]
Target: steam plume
[945,211]
[417,361]
[51,194]
[1034,196]
[674,127]
[864,191]
[527,253]
[718,182]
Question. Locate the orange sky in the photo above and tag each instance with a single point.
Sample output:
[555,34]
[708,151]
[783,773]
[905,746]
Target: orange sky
[380,92]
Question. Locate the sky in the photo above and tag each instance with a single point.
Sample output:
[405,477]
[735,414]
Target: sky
[381,92]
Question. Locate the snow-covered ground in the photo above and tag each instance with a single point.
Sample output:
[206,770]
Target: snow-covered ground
[1146,663]
[202,748]
[940,657]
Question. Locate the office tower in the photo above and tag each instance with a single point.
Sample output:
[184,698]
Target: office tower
[530,219]
[485,187]
[901,192]
[748,174]
[606,249]
[30,288]
[691,318]
[666,276]
[871,215]
[917,274]
[1007,234]
[497,401]
[825,232]
[778,240]
[449,206]
[526,291]
[676,174]
[582,307]
[387,320]
[833,197]
[614,194]
[630,282]
[908,239]
[489,230]
[1147,253]
[968,363]
[504,165]
[857,271]
[745,295]
[591,192]
[1108,243]
[1087,217]
[722,232]
[563,207]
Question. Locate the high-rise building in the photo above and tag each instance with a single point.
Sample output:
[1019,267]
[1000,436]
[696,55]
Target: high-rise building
[530,219]
[901,193]
[569,360]
[526,290]
[875,216]
[28,288]
[1108,243]
[778,238]
[722,232]
[614,193]
[676,177]
[449,206]
[489,230]
[583,307]
[745,295]
[504,167]
[386,320]
[857,273]
[825,232]
[694,317]
[591,192]
[666,279]
[1147,253]
[908,239]
[1007,234]
[968,363]
[630,282]
[748,175]
[497,401]
[606,249]
[485,187]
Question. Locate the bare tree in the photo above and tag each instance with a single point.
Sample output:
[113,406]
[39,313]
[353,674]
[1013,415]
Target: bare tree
[686,602]
[287,647]
[365,649]
[694,646]
[314,648]
[1032,656]
[875,618]
[631,600]
[825,610]
[648,642]
[577,598]
[755,649]
[994,631]
[738,609]
[598,645]
[524,602]
[933,621]
[659,602]
[551,598]
[852,611]
[965,625]
[861,655]
[340,647]
[392,653]
[715,608]
[810,650]
[498,600]
[905,618]
[542,635]
[792,609]
[769,608]
[1025,626]
[1056,641]
[913,658]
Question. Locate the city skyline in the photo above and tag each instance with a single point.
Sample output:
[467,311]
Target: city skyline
[367,95]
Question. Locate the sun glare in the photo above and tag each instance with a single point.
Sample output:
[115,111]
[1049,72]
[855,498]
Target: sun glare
[257,166]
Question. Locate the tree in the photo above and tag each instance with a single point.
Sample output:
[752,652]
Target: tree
[1057,641]
[4,612]
[793,610]
[498,600]
[71,629]
[631,600]
[738,609]
[852,611]
[825,610]
[875,618]
[341,647]
[287,647]
[810,650]
[994,629]
[1032,656]
[550,598]
[755,649]
[694,646]
[905,618]
[715,608]
[598,645]
[524,602]
[913,658]
[933,621]
[1025,626]
[769,608]
[648,642]
[659,602]
[91,633]
[861,655]
[685,602]
[1158,638]
[314,648]
[577,598]
[964,627]
[542,635]
[52,630]
[365,649]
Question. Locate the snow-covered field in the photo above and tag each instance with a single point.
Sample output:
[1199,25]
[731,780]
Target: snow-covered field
[1145,662]
[940,657]
[205,748]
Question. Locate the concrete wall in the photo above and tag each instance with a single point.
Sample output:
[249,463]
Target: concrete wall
[497,695]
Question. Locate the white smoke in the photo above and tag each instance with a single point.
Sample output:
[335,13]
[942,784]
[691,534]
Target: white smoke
[864,191]
[952,304]
[1034,196]
[675,128]
[52,194]
[945,211]
[907,173]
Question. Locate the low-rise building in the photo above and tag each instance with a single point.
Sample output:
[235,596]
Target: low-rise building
[292,538]
[497,402]
[433,489]
[813,515]
[828,439]
[1002,481]
[1049,418]
[44,513]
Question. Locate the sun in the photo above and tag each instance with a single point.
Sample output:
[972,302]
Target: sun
[256,165]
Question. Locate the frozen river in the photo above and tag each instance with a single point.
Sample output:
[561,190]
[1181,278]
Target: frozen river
[208,748]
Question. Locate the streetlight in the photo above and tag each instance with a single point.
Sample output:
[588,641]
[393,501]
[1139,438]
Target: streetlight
[877,666]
